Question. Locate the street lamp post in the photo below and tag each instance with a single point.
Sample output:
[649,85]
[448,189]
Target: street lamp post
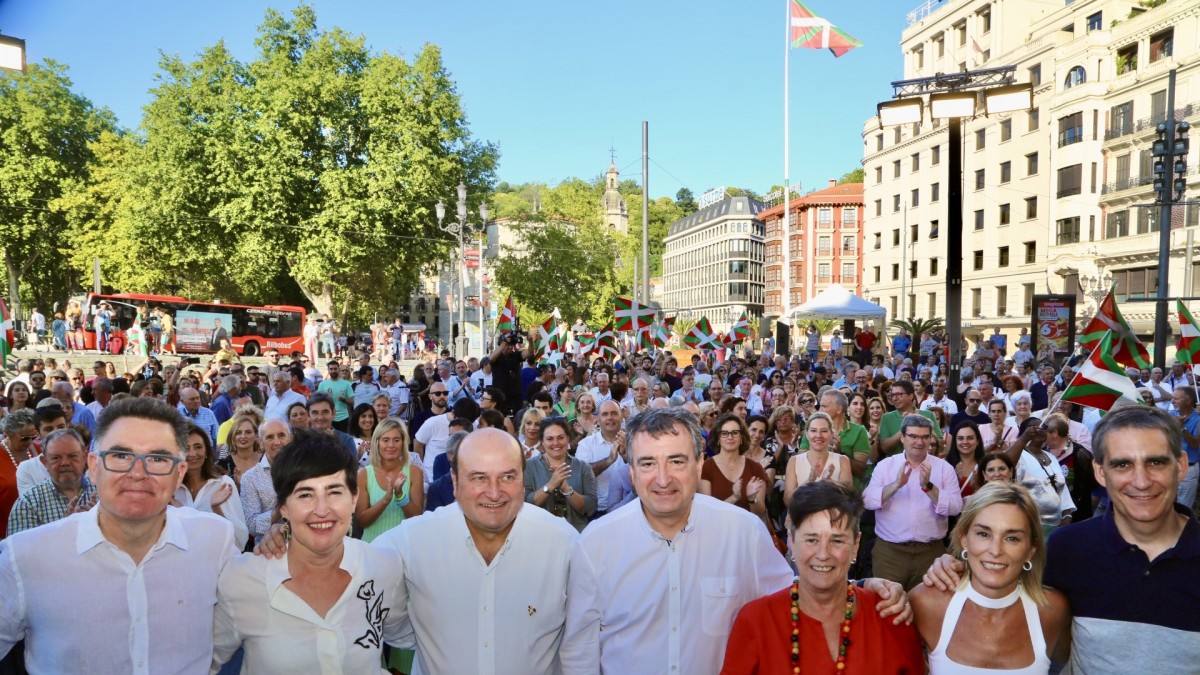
[952,97]
[458,228]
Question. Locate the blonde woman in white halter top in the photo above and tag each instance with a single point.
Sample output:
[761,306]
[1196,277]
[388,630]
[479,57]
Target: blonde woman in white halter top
[821,462]
[1000,619]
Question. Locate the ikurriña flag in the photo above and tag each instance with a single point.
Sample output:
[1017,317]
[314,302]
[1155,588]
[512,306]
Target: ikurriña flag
[1101,380]
[1127,349]
[810,31]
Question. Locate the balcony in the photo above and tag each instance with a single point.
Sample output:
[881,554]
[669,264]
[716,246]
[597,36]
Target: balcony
[1123,130]
[1070,137]
[1139,181]
[1067,192]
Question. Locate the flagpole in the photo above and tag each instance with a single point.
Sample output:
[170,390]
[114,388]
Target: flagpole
[785,296]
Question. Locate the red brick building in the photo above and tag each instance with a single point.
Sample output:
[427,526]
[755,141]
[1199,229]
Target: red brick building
[824,246]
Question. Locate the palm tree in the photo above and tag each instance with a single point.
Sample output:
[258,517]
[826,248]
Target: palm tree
[918,327]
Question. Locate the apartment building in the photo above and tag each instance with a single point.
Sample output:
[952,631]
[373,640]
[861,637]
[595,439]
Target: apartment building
[713,262]
[1044,189]
[824,245]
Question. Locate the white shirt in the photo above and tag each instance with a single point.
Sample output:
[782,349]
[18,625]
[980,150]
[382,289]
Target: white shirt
[947,405]
[399,396]
[277,406]
[594,449]
[31,472]
[83,600]
[640,604]
[258,498]
[95,408]
[600,398]
[281,633]
[434,433]
[503,618]
[231,508]
[480,380]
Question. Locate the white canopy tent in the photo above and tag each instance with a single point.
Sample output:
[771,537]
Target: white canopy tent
[837,303]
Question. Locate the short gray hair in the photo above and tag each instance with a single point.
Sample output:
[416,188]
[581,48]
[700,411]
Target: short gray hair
[1022,395]
[59,434]
[17,420]
[228,384]
[659,421]
[915,420]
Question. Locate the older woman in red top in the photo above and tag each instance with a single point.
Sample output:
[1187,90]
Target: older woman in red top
[822,623]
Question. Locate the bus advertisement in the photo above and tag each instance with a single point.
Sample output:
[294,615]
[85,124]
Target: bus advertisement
[198,327]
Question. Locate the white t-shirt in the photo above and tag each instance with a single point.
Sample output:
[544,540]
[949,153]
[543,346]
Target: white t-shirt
[594,449]
[480,380]
[434,433]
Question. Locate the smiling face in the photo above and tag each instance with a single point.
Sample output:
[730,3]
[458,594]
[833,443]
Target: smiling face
[320,416]
[665,473]
[819,434]
[488,481]
[197,453]
[998,544]
[823,551]
[318,511]
[1141,475]
[555,442]
[997,471]
[136,496]
[758,432]
[858,408]
[966,441]
[275,435]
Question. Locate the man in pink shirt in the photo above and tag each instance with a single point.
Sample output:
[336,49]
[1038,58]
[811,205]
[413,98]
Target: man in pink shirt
[913,494]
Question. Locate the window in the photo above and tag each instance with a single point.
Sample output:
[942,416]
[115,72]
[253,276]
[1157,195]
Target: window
[1031,164]
[985,22]
[979,219]
[979,179]
[1067,231]
[1120,120]
[1030,252]
[848,272]
[878,175]
[895,271]
[1076,75]
[1035,74]
[896,237]
[1002,301]
[849,243]
[896,169]
[960,30]
[935,155]
[1035,119]
[976,302]
[919,57]
[980,139]
[877,278]
[932,307]
[1005,130]
[878,142]
[1147,220]
[1158,106]
[825,215]
[915,198]
[978,258]
[1095,22]
[935,192]
[913,236]
[916,161]
[896,136]
[878,240]
[1030,208]
[895,203]
[1127,59]
[1005,172]
[933,267]
[1122,170]
[824,272]
[1070,180]
[1117,225]
[940,44]
[1070,129]
[850,215]
[878,208]
[1003,256]
[1005,214]
[933,229]
[1162,45]
[1027,306]
[824,245]
[912,269]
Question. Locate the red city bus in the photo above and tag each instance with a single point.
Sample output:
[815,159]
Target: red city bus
[200,325]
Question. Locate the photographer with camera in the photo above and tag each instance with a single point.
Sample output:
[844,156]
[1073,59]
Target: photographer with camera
[506,362]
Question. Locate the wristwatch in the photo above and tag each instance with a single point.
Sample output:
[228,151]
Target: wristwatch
[568,494]
[546,488]
[928,486]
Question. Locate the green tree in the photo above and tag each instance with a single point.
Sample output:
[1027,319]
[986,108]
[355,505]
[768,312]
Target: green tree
[917,327]
[854,176]
[46,131]
[686,201]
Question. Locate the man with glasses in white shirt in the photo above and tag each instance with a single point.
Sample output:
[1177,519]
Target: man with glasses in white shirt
[127,557]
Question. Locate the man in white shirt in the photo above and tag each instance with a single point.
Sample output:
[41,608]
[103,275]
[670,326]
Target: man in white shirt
[603,452]
[472,567]
[754,404]
[481,379]
[122,560]
[940,399]
[666,574]
[282,396]
[600,392]
[102,389]
[397,393]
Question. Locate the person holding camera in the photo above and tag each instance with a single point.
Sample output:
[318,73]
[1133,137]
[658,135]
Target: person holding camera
[506,363]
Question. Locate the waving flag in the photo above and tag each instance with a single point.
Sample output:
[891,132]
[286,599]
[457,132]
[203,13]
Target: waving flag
[550,336]
[632,315]
[1101,380]
[740,330]
[701,336]
[1126,348]
[810,31]
[662,332]
[584,342]
[508,317]
[7,339]
[605,344]
[1189,336]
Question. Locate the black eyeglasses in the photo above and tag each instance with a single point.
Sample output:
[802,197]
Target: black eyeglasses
[439,393]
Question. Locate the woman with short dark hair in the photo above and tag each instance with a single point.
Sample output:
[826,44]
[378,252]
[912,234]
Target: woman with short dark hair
[728,475]
[282,611]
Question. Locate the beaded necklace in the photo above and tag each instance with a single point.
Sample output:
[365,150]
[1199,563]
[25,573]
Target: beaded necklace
[844,643]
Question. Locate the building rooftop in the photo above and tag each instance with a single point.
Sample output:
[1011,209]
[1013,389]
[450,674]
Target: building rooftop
[845,193]
[730,207]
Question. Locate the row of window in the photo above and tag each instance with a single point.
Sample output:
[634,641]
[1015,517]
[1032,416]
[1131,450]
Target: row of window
[678,261]
[935,189]
[824,273]
[752,226]
[932,309]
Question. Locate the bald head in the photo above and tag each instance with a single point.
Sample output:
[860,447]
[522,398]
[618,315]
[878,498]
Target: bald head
[190,398]
[488,445]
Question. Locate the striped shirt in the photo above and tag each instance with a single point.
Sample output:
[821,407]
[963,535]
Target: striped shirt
[42,504]
[205,419]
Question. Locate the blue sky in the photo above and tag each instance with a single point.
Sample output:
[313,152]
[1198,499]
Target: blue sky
[554,82]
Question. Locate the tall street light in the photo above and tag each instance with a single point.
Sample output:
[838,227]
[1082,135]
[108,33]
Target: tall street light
[952,97]
[458,228]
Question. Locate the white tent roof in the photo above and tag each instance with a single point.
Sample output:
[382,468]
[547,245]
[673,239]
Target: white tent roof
[835,302]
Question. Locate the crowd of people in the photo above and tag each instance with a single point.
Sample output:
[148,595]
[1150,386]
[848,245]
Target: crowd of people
[839,510]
